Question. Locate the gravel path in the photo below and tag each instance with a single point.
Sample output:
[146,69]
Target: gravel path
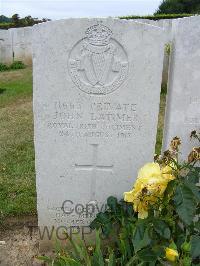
[19,244]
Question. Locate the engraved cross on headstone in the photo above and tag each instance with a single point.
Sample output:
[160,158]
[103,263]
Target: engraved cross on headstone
[94,167]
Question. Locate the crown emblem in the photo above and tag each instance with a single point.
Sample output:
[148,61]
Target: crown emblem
[98,35]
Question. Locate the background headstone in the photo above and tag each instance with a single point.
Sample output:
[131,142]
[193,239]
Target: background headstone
[96,102]
[183,103]
[6,55]
[166,24]
[22,44]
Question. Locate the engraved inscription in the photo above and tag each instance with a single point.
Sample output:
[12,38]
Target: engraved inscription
[75,214]
[95,120]
[98,64]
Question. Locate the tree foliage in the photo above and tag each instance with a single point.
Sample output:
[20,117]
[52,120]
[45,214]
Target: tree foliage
[5,19]
[15,21]
[179,7]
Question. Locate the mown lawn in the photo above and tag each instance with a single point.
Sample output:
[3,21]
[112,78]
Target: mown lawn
[17,173]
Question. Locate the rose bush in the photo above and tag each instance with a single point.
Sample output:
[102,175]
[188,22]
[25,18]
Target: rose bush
[157,222]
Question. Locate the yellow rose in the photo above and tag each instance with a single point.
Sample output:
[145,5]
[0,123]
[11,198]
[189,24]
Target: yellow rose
[142,209]
[167,173]
[138,205]
[171,254]
[167,169]
[149,187]
[149,170]
[151,177]
[129,196]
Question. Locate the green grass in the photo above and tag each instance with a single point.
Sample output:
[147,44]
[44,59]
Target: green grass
[15,86]
[161,120]
[17,173]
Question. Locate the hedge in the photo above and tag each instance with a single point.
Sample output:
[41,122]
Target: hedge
[160,16]
[6,25]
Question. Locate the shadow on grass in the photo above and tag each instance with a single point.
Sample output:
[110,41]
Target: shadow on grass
[2,90]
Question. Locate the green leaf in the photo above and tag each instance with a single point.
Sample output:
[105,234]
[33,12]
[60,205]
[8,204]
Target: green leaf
[141,235]
[112,261]
[107,229]
[98,241]
[77,252]
[128,247]
[129,209]
[112,203]
[59,262]
[130,262]
[197,225]
[95,224]
[173,245]
[198,209]
[122,246]
[147,255]
[194,175]
[145,241]
[98,256]
[180,239]
[186,247]
[195,190]
[162,229]
[153,263]
[102,218]
[170,188]
[45,259]
[195,246]
[185,203]
[159,251]
[187,261]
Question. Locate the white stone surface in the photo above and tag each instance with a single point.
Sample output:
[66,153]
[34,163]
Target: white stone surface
[166,24]
[183,104]
[96,102]
[5,47]
[22,44]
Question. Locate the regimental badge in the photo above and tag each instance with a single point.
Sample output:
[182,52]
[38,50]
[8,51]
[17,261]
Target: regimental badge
[98,64]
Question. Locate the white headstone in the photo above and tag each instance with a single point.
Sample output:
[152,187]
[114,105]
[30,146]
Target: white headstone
[96,102]
[166,24]
[183,104]
[5,47]
[22,44]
